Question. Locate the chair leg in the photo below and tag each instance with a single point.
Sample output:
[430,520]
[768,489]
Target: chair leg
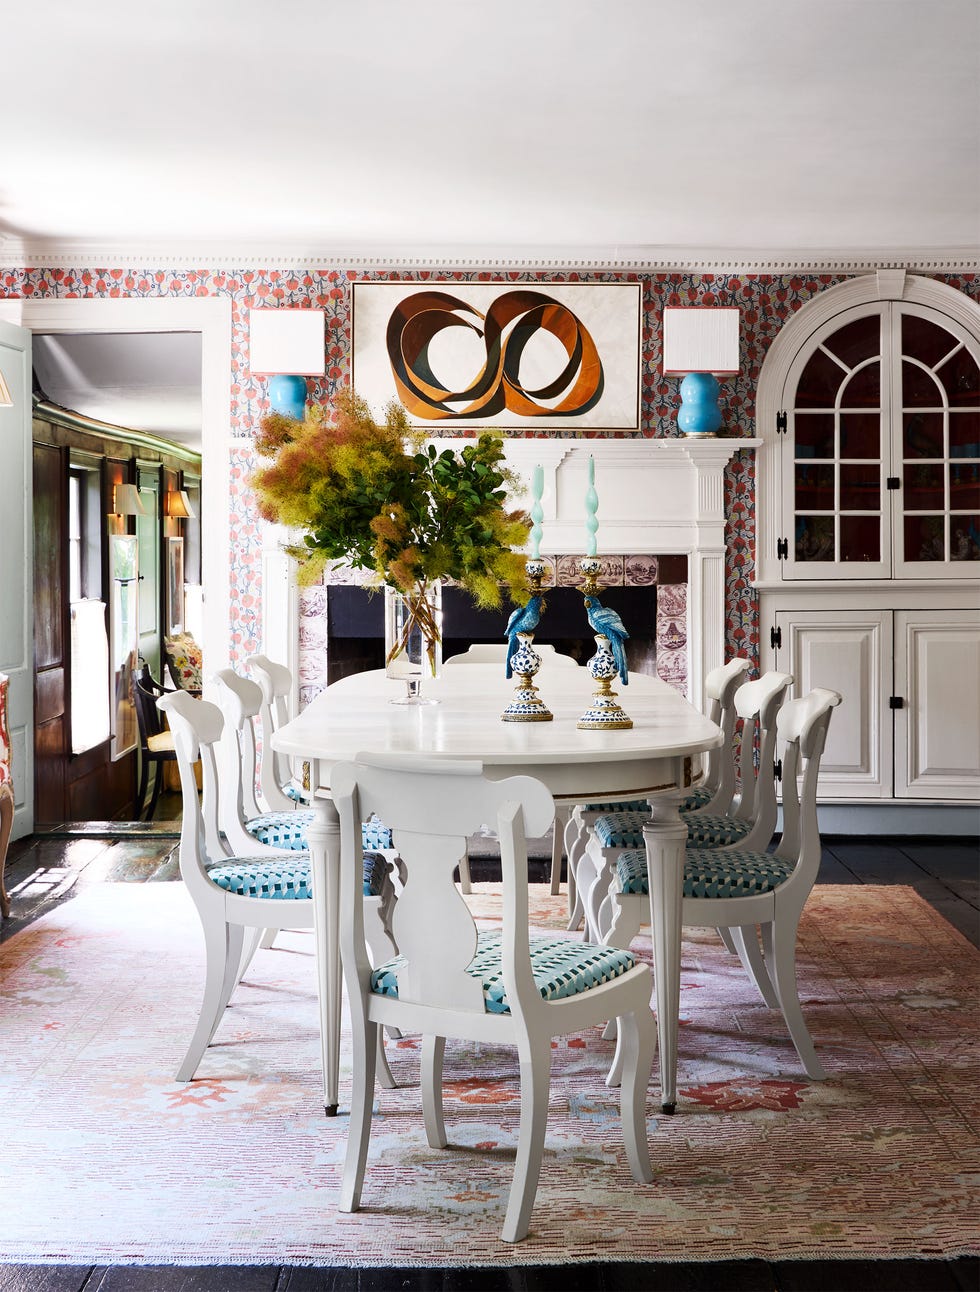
[157,785]
[535,1059]
[269,938]
[385,1076]
[636,1040]
[364,1045]
[6,826]
[144,777]
[729,941]
[251,941]
[557,848]
[779,941]
[223,951]
[745,942]
[465,886]
[430,1079]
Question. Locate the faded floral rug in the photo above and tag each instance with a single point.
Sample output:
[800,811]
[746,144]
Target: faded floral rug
[109,1160]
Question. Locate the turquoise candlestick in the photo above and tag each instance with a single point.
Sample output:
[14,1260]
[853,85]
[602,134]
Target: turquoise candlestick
[537,512]
[591,507]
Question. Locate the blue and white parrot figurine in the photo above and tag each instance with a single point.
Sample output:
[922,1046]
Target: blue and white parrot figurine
[608,622]
[524,620]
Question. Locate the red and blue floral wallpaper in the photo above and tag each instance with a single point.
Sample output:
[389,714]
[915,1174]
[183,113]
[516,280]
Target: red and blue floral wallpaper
[766,302]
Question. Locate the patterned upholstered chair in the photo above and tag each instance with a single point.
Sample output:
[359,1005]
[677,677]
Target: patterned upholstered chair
[744,889]
[240,896]
[752,819]
[721,685]
[502,987]
[6,793]
[239,819]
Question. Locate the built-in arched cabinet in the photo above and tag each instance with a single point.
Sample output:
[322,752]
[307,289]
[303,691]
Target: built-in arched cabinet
[868,540]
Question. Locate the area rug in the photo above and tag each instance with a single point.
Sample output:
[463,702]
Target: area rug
[107,1159]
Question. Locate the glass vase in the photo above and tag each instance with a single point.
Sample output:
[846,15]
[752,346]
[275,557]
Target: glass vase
[413,639]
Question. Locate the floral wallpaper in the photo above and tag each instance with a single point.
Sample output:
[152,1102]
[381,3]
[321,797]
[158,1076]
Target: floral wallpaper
[766,301]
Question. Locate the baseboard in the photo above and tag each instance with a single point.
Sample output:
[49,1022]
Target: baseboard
[891,819]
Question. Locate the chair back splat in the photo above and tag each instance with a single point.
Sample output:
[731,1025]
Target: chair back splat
[448,979]
[276,683]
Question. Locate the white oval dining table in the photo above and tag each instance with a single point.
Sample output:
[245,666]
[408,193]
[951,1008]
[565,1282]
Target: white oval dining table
[654,759]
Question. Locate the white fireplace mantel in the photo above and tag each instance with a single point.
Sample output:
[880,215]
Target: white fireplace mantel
[658,496]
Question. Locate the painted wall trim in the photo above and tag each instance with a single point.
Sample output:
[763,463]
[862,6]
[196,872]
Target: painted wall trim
[18,252]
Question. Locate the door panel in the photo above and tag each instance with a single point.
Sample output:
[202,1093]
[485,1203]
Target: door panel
[16,559]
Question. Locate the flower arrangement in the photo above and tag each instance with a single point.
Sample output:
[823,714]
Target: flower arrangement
[371,495]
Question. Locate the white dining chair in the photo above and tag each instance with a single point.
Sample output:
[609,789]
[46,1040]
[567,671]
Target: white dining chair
[277,787]
[750,891]
[493,987]
[240,896]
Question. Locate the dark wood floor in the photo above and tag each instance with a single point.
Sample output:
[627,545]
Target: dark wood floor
[47,869]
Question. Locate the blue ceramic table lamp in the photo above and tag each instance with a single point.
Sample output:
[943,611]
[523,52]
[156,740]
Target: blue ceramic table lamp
[288,346]
[700,344]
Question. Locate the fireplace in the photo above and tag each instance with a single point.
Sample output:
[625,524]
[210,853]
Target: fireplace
[663,496]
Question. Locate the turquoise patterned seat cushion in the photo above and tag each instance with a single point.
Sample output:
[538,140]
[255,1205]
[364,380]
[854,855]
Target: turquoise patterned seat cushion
[696,800]
[704,831]
[561,968]
[288,830]
[629,805]
[621,829]
[285,879]
[709,873]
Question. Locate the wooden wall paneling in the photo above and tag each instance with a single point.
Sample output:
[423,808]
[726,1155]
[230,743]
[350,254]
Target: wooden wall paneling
[50,632]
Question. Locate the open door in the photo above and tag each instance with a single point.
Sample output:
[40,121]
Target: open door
[16,565]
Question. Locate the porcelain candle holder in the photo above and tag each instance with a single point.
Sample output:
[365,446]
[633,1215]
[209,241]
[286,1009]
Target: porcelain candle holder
[604,714]
[527,705]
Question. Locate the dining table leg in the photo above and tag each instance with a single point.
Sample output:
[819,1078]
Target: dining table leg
[665,837]
[323,840]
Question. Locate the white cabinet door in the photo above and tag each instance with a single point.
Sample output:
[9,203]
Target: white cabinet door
[849,652]
[937,730]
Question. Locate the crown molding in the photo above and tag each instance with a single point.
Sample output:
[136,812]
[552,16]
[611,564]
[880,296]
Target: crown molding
[19,252]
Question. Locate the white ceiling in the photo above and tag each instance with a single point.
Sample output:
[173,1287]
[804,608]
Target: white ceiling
[645,131]
[766,125]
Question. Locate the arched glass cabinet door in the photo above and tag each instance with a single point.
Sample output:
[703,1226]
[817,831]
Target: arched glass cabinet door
[881,462]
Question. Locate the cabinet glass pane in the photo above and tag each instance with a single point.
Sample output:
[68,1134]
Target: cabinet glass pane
[814,538]
[920,388]
[964,486]
[925,340]
[965,537]
[964,435]
[922,435]
[814,487]
[814,435]
[925,538]
[924,486]
[820,382]
[860,488]
[860,538]
[961,380]
[860,435]
[858,341]
[863,390]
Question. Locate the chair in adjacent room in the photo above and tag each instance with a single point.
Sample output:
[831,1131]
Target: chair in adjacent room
[239,897]
[749,891]
[499,987]
[156,741]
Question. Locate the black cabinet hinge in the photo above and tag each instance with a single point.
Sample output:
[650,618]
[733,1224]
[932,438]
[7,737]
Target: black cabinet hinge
[782,549]
[777,769]
[775,638]
[896,702]
[893,482]
[780,423]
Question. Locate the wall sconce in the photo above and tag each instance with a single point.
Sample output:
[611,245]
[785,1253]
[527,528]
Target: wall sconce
[178,505]
[288,346]
[700,344]
[5,400]
[126,501]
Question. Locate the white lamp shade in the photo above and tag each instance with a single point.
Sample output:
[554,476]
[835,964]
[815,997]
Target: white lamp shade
[701,339]
[126,501]
[287,341]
